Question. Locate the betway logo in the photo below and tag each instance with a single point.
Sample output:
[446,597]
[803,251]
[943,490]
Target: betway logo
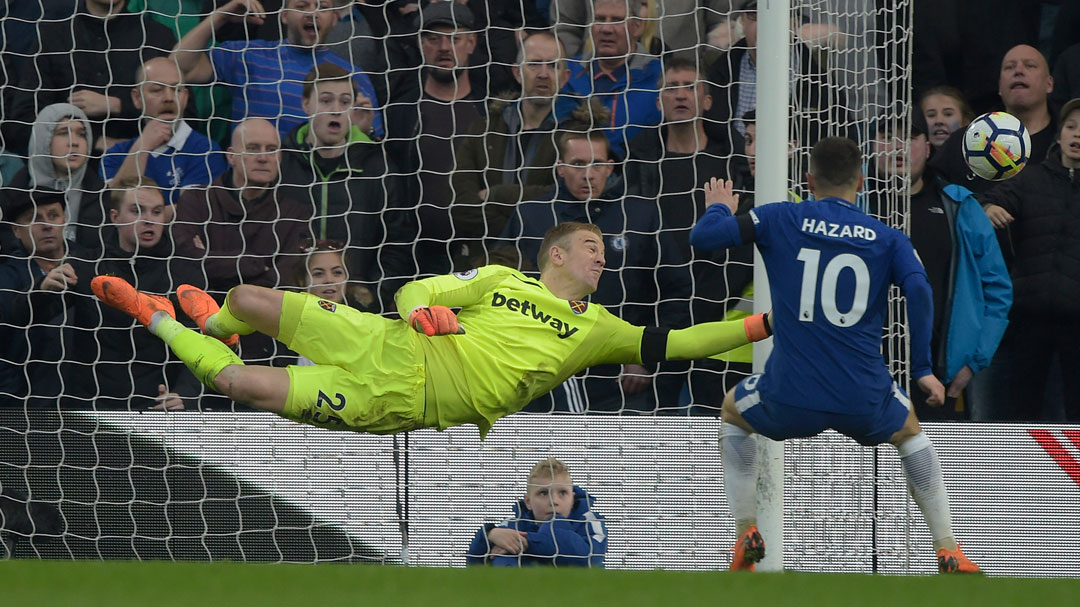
[1058,452]
[528,308]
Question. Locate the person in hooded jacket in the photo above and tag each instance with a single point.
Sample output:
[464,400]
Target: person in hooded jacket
[60,143]
[554,524]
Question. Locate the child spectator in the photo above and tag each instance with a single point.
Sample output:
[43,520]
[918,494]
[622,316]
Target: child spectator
[1041,207]
[554,524]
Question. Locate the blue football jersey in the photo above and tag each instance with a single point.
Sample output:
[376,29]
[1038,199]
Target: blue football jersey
[830,267]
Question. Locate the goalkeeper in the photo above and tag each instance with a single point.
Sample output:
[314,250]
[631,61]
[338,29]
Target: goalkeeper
[373,374]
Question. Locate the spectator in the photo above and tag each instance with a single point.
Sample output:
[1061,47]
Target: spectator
[554,524]
[684,25]
[106,365]
[618,73]
[424,123]
[945,111]
[956,243]
[59,154]
[1042,207]
[668,164]
[1066,76]
[1024,84]
[955,41]
[243,230]
[733,77]
[87,61]
[266,77]
[642,275]
[509,155]
[31,342]
[325,274]
[350,183]
[168,150]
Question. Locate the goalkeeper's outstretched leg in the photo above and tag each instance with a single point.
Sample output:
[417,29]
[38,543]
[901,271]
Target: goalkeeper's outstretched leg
[330,394]
[213,362]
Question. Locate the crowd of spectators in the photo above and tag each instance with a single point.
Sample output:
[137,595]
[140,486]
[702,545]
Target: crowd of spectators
[287,142]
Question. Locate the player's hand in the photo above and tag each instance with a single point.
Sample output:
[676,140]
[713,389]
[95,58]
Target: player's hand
[959,382]
[239,11]
[155,134]
[510,540]
[635,378]
[998,216]
[95,104]
[167,401]
[60,278]
[934,390]
[720,191]
[434,320]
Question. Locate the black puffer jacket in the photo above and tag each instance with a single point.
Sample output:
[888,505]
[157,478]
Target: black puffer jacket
[1044,241]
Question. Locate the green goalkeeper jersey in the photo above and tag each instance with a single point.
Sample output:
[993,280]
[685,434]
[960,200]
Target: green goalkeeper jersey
[520,342]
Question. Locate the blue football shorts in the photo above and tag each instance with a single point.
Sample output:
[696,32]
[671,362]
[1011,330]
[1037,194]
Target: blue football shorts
[778,421]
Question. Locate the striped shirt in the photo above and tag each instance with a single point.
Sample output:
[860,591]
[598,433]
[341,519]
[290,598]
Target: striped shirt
[266,79]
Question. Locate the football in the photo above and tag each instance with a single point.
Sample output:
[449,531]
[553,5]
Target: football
[996,146]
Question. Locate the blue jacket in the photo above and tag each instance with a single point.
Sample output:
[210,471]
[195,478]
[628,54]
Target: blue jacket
[981,289]
[630,93]
[579,540]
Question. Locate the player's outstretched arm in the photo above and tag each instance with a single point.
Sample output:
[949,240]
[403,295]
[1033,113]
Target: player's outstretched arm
[711,338]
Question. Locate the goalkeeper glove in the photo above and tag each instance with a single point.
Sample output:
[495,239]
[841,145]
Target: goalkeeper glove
[758,326]
[434,320]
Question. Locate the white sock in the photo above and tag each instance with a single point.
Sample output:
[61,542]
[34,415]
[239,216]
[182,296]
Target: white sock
[927,487]
[738,456]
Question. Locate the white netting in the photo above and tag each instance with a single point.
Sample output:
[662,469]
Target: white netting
[406,207]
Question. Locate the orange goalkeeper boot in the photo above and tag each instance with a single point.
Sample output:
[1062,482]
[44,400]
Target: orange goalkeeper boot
[749,549]
[199,306]
[954,561]
[119,294]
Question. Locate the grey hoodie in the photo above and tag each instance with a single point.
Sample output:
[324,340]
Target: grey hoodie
[43,173]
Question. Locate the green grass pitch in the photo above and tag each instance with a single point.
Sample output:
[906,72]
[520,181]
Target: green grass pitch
[46,583]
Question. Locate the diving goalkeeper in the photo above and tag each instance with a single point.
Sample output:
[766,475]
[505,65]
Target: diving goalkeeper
[372,374]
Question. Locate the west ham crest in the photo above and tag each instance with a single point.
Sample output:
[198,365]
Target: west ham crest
[579,307]
[329,306]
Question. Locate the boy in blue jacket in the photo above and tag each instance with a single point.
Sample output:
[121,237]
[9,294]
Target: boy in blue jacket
[554,524]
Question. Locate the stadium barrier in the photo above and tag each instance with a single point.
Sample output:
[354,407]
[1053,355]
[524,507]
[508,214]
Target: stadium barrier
[248,486]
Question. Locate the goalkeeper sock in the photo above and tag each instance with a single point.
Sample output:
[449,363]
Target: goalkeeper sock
[923,472]
[204,355]
[738,456]
[224,324]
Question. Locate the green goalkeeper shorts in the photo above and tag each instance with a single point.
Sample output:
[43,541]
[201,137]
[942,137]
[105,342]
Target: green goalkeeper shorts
[368,374]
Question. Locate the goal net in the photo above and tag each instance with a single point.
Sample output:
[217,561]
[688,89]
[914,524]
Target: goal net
[90,468]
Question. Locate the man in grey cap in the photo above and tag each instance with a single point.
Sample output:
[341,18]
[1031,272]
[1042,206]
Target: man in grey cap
[430,108]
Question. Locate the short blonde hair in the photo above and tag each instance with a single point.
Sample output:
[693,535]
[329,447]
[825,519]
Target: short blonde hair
[559,236]
[118,190]
[548,468]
